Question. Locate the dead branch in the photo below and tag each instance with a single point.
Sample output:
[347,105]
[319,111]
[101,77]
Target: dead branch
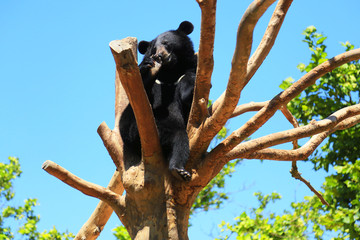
[87,188]
[212,125]
[130,78]
[112,142]
[295,174]
[98,219]
[294,169]
[205,62]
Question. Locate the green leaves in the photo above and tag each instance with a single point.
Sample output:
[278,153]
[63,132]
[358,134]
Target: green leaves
[8,172]
[286,83]
[23,215]
[257,225]
[121,233]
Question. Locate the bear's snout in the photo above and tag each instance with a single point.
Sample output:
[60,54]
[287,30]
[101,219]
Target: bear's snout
[162,54]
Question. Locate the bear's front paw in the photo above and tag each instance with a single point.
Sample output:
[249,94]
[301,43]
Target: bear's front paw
[181,173]
[155,69]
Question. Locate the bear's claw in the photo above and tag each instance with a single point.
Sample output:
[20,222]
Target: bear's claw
[181,174]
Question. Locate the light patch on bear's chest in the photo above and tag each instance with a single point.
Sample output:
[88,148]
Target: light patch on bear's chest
[157,81]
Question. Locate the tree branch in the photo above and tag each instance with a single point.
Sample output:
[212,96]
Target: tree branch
[121,101]
[113,143]
[238,71]
[97,221]
[248,107]
[301,153]
[261,117]
[269,37]
[266,43]
[87,188]
[345,117]
[295,174]
[212,125]
[130,78]
[205,62]
[292,120]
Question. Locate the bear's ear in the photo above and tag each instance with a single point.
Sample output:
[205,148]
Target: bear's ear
[186,27]
[142,47]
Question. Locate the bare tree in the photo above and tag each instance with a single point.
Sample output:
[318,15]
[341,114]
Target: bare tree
[155,204]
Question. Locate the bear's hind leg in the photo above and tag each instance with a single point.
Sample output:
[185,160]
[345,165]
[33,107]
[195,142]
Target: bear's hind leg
[178,155]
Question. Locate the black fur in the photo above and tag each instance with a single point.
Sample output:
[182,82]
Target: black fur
[168,72]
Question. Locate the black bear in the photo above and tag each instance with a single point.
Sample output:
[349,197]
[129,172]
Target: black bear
[168,72]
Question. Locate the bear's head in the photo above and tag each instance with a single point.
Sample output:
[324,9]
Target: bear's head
[173,50]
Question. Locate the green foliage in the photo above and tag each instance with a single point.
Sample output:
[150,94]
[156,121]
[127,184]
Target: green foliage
[258,225]
[309,219]
[7,174]
[24,215]
[121,233]
[342,191]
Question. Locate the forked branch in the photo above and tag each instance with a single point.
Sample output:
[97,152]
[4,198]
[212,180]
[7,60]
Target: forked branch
[297,175]
[268,40]
[261,117]
[266,43]
[333,122]
[301,153]
[212,125]
[237,80]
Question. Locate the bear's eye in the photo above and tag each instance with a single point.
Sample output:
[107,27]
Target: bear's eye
[166,43]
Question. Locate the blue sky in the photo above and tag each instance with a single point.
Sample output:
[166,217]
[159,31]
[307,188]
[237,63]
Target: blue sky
[57,86]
